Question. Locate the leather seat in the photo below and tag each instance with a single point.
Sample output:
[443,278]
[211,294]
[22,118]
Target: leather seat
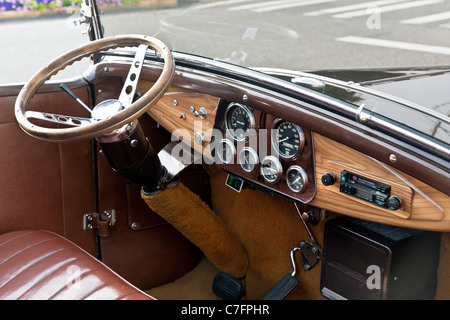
[42,265]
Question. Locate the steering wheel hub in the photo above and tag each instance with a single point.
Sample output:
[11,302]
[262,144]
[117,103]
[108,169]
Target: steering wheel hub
[106,109]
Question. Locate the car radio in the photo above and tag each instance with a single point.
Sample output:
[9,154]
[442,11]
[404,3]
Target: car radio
[364,188]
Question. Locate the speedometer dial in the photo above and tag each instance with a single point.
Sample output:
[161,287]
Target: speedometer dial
[288,139]
[239,121]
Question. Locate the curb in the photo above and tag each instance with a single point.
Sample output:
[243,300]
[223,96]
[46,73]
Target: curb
[155,4]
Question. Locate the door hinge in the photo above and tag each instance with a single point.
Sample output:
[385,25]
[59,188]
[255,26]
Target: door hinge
[102,222]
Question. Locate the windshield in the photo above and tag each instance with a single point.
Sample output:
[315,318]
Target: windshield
[285,38]
[294,34]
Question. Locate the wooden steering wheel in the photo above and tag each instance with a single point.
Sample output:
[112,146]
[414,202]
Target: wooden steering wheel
[107,115]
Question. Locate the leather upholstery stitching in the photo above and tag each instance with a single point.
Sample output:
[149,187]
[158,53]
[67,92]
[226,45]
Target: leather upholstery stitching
[25,249]
[81,277]
[15,238]
[70,261]
[104,285]
[34,262]
[23,262]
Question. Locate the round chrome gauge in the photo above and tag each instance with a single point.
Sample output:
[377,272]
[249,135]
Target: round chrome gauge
[271,169]
[296,179]
[248,159]
[239,120]
[226,151]
[288,139]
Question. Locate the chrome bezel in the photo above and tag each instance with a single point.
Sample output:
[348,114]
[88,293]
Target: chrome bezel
[255,156]
[249,113]
[278,167]
[301,135]
[304,177]
[233,150]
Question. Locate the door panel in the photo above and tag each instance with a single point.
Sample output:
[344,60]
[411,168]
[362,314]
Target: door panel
[44,185]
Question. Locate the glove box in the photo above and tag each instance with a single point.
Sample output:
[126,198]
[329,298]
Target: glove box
[369,261]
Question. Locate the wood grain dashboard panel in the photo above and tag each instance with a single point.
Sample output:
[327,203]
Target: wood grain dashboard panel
[176,112]
[423,207]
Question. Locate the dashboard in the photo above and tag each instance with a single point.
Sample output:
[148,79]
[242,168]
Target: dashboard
[277,155]
[275,143]
[263,150]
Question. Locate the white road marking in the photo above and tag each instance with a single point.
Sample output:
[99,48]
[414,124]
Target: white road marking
[396,45]
[427,19]
[394,7]
[218,4]
[261,4]
[280,5]
[351,7]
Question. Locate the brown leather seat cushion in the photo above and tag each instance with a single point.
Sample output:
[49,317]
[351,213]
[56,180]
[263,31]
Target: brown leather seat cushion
[43,265]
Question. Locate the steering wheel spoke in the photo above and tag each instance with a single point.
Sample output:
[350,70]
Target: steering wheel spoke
[58,118]
[130,86]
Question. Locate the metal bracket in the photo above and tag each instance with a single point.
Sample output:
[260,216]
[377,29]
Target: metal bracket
[102,222]
[360,116]
[309,82]
[86,15]
[313,215]
[310,251]
[89,222]
[310,254]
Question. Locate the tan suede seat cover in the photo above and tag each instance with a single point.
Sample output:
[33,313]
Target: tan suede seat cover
[43,265]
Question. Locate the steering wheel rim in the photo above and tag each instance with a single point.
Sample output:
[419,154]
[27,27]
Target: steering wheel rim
[96,128]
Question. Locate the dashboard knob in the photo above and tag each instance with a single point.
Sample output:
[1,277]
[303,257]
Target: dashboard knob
[199,138]
[328,179]
[394,203]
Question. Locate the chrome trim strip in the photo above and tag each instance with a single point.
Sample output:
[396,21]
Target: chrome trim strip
[220,66]
[377,122]
[357,87]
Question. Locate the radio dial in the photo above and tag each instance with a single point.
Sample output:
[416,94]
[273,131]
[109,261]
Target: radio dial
[328,179]
[394,203]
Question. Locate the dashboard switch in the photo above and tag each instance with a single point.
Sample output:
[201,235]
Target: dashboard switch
[394,203]
[328,179]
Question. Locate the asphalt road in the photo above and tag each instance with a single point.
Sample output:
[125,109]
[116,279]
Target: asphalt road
[327,34]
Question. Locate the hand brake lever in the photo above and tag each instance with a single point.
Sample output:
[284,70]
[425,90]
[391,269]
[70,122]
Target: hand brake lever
[66,89]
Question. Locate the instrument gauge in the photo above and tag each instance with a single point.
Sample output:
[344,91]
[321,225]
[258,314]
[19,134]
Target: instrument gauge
[239,120]
[271,169]
[288,139]
[248,159]
[296,179]
[226,151]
